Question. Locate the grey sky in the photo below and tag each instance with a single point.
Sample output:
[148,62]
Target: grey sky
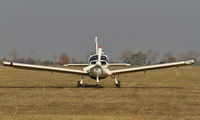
[57,26]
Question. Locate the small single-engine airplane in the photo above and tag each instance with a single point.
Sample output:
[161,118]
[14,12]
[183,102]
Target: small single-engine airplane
[98,67]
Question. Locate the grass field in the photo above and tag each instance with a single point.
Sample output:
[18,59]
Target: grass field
[167,94]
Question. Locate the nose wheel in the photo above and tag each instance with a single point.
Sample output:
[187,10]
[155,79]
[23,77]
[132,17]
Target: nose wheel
[97,85]
[78,84]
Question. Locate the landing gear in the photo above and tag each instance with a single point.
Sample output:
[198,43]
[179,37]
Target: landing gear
[117,83]
[97,85]
[80,83]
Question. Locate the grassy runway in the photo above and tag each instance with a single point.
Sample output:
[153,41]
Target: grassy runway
[167,94]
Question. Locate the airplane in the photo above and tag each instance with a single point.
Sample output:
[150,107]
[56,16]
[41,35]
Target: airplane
[98,67]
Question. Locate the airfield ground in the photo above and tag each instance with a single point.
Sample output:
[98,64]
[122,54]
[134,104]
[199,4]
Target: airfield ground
[167,94]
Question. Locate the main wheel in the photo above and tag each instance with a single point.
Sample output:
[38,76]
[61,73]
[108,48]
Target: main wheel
[118,84]
[98,86]
[78,84]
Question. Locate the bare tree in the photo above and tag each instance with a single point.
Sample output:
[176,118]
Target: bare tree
[32,58]
[64,59]
[126,56]
[55,58]
[168,57]
[33,54]
[73,60]
[190,55]
[151,56]
[14,54]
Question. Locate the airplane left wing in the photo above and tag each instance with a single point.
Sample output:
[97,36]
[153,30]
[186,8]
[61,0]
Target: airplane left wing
[150,67]
[119,64]
[44,68]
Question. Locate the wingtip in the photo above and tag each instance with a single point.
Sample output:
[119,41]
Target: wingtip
[190,62]
[5,63]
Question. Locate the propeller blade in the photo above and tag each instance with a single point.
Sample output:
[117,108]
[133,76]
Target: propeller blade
[99,54]
[88,67]
[96,41]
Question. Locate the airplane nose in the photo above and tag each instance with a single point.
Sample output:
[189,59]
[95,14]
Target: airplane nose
[97,71]
[98,63]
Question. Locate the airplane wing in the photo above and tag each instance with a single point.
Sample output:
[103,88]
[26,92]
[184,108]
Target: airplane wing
[44,68]
[150,67]
[119,64]
[81,64]
[85,64]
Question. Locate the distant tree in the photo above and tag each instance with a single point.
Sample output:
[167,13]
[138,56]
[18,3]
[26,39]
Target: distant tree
[2,60]
[168,57]
[33,54]
[14,54]
[47,62]
[138,58]
[55,58]
[126,56]
[190,55]
[21,60]
[64,59]
[134,58]
[30,60]
[151,56]
[73,60]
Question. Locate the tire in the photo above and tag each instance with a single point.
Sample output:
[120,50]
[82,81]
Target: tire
[78,84]
[118,85]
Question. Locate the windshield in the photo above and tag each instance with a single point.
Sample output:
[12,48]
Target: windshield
[95,58]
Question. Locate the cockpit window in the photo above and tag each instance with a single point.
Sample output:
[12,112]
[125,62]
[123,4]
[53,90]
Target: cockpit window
[95,57]
[104,58]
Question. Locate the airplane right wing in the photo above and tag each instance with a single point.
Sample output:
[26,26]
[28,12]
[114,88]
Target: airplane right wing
[150,67]
[44,68]
[79,64]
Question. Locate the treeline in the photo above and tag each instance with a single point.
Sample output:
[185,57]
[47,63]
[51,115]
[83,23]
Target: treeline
[142,57]
[14,56]
[149,57]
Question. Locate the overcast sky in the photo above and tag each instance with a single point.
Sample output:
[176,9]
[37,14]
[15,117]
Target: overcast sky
[57,26]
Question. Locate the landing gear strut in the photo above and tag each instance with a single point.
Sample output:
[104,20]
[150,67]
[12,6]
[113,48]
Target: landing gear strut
[97,85]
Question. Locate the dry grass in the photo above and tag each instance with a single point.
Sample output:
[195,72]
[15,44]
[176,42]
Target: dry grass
[166,94]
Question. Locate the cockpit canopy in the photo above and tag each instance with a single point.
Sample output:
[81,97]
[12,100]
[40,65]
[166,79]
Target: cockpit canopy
[94,58]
